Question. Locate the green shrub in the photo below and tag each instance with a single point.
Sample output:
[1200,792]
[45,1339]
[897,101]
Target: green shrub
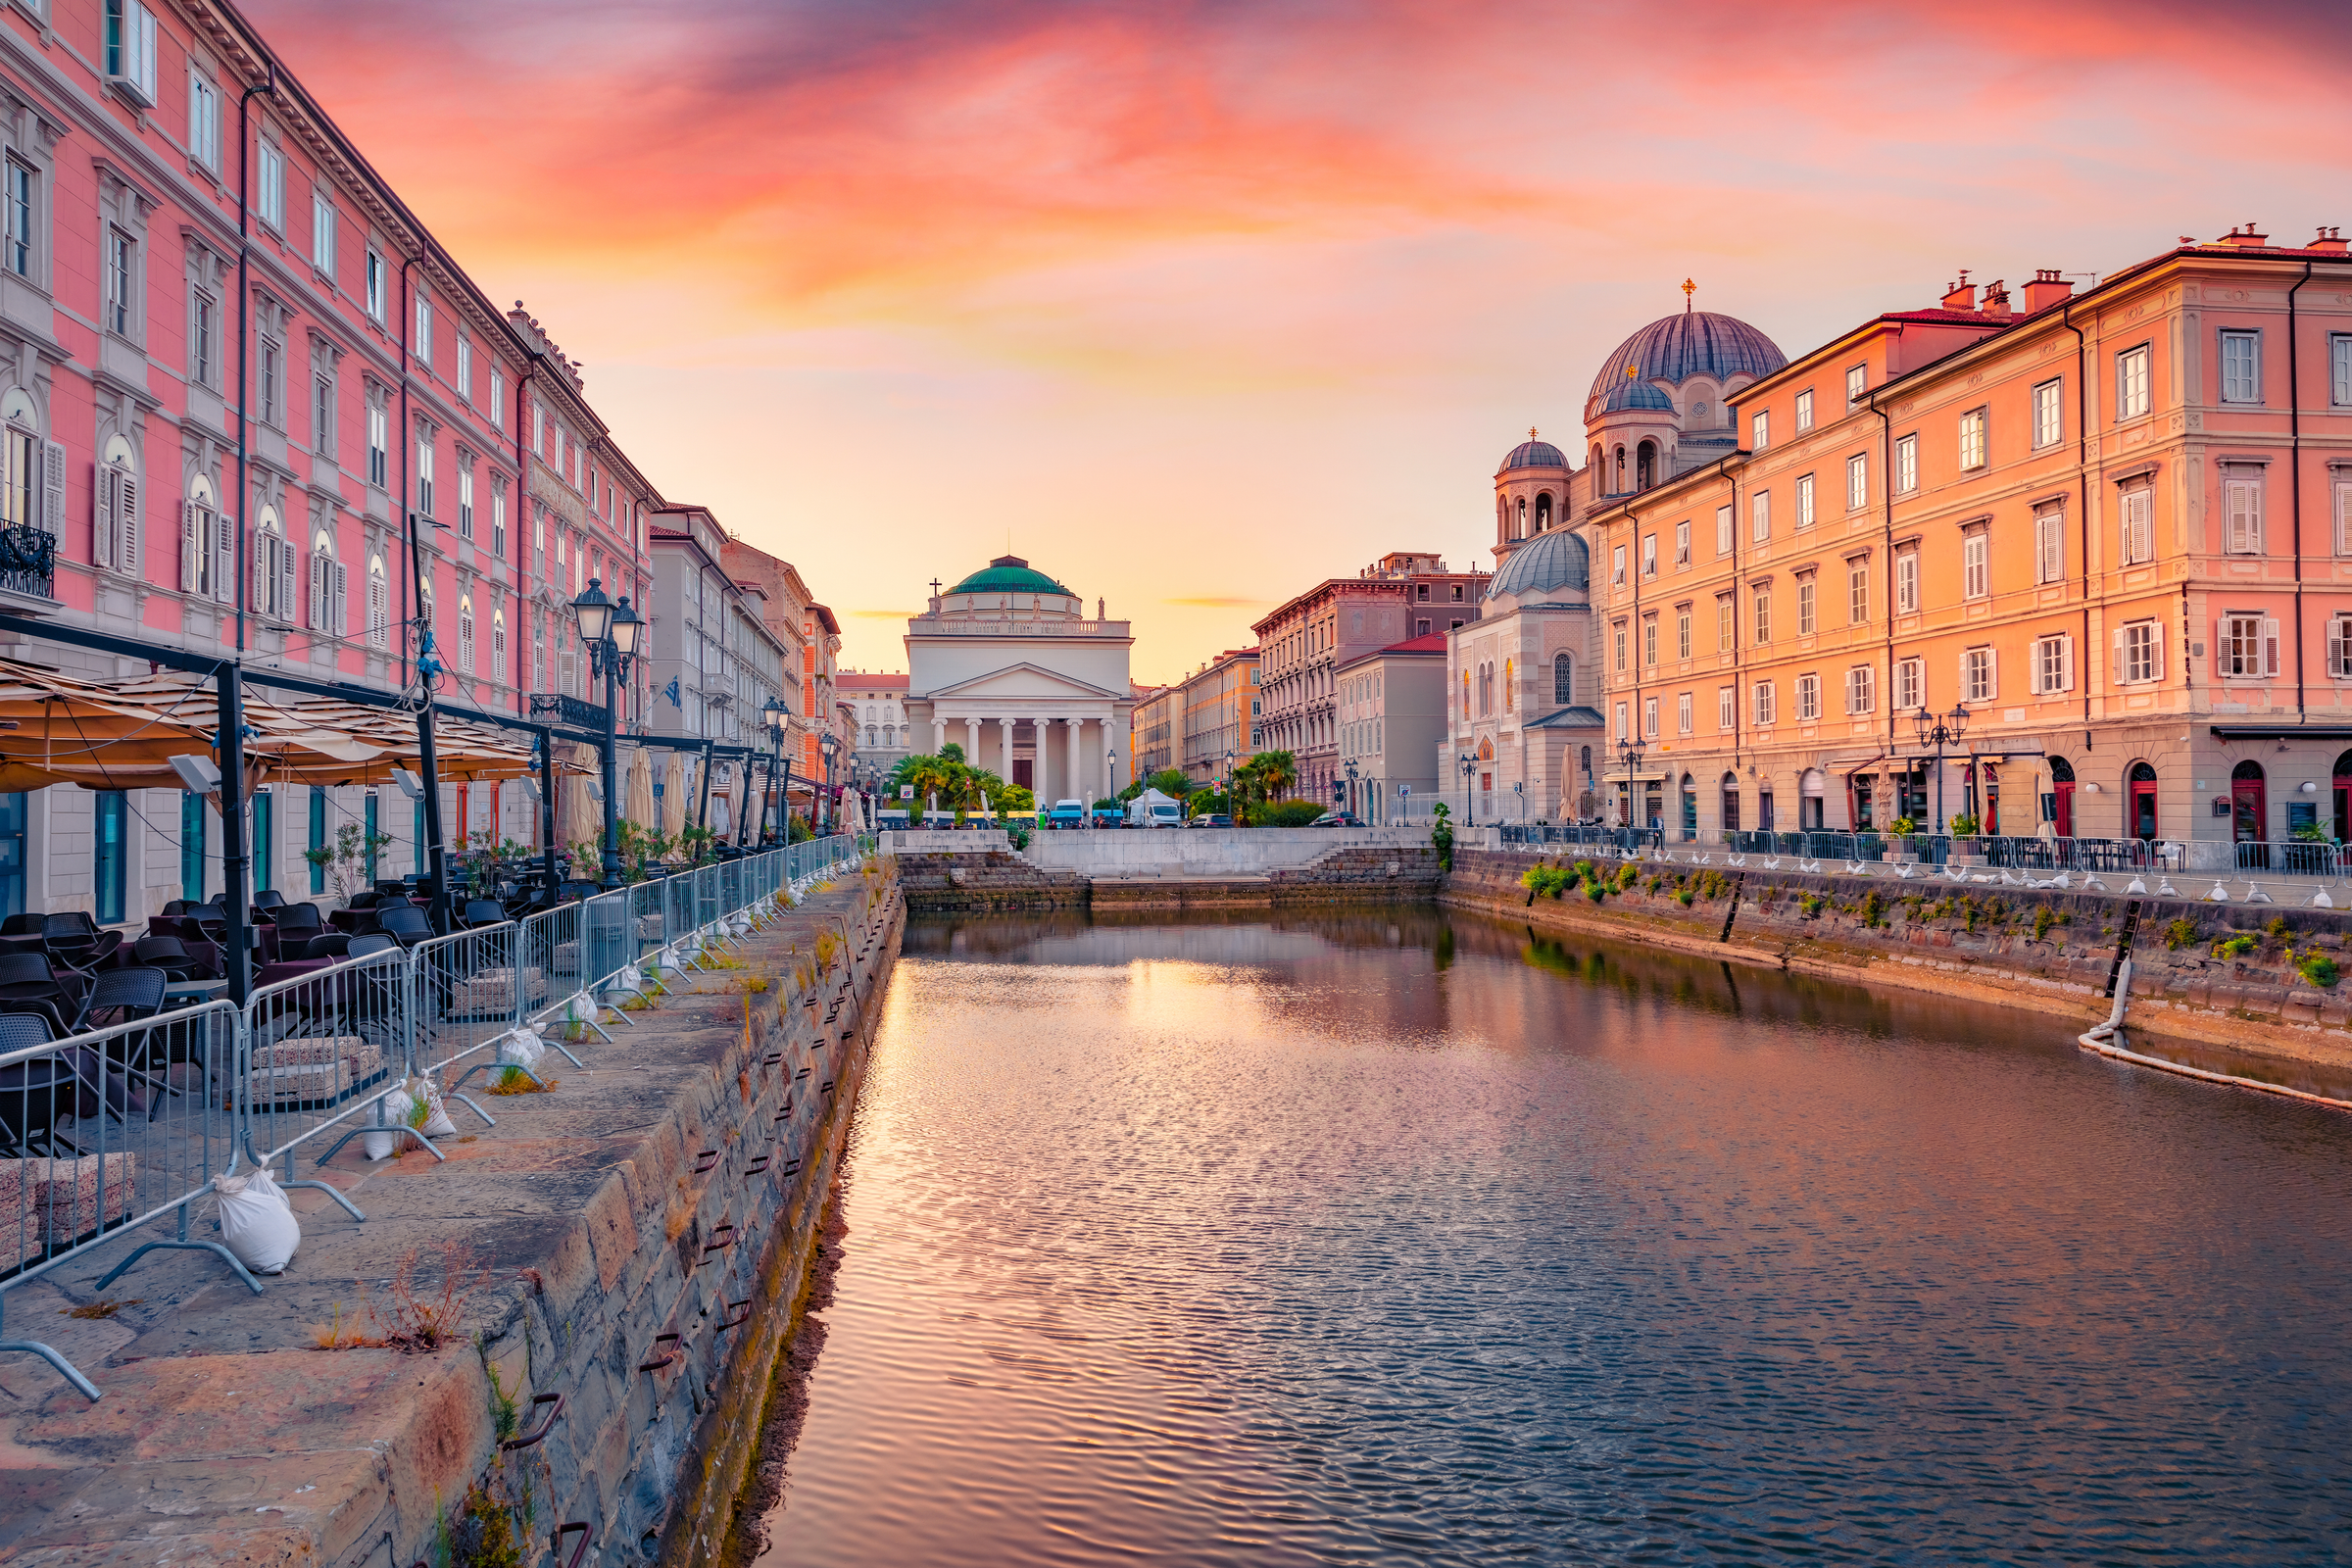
[1874,909]
[1597,890]
[2319,968]
[2237,947]
[2044,920]
[2179,934]
[1683,898]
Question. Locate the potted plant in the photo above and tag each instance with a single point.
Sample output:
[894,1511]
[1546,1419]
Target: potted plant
[1902,829]
[1966,850]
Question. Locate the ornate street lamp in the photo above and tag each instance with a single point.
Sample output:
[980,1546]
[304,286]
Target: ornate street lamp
[1469,766]
[610,631]
[777,719]
[1630,755]
[829,746]
[1352,799]
[1941,730]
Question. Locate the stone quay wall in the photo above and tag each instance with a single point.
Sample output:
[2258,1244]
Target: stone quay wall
[637,1241]
[2041,947]
[993,881]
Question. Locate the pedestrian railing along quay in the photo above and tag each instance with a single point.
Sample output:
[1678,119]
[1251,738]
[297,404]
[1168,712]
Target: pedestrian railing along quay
[120,1130]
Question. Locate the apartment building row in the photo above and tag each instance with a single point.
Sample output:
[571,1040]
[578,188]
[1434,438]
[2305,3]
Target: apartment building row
[252,405]
[2101,539]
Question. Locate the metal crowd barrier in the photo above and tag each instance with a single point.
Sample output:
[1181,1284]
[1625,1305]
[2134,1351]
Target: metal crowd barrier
[120,1127]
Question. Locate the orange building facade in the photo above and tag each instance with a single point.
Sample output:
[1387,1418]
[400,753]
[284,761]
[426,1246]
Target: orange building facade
[2103,539]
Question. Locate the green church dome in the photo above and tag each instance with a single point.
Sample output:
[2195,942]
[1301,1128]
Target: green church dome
[1009,574]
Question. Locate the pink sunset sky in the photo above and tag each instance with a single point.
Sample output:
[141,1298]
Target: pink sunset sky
[1198,304]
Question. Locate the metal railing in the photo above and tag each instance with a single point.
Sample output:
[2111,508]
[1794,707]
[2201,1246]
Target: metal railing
[119,1128]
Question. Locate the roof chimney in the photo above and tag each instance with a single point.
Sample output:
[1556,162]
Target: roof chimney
[1996,298]
[2248,240]
[2330,240]
[1960,295]
[2049,288]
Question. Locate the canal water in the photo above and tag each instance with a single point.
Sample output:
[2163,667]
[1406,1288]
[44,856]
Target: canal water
[1414,1238]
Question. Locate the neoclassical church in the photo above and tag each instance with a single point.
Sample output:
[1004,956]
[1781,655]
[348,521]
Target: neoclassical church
[1007,666]
[1523,680]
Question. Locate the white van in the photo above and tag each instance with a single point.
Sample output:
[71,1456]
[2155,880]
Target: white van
[1152,808]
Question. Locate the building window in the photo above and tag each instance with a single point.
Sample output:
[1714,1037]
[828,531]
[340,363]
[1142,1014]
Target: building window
[2339,369]
[465,501]
[2138,653]
[466,652]
[204,339]
[1858,591]
[2249,646]
[1804,605]
[375,287]
[1804,501]
[2049,420]
[379,604]
[323,234]
[1564,683]
[1727,631]
[1762,699]
[1906,583]
[2131,382]
[1976,577]
[122,267]
[424,472]
[424,330]
[1682,544]
[2342,493]
[465,367]
[1861,690]
[1759,513]
[497,398]
[2241,368]
[1723,531]
[2049,544]
[2137,525]
[1857,482]
[270,198]
[1972,439]
[1650,640]
[203,121]
[274,378]
[379,444]
[1760,428]
[2053,664]
[2340,647]
[2241,505]
[1683,723]
[323,415]
[1976,675]
[1808,698]
[1622,733]
[1911,683]
[131,48]
[1649,718]
[1649,555]
[21,214]
[1857,382]
[1804,410]
[1617,566]
[1763,615]
[1906,465]
[330,588]
[1618,627]
[497,520]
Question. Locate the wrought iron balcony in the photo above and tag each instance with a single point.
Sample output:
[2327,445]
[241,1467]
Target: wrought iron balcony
[28,562]
[565,709]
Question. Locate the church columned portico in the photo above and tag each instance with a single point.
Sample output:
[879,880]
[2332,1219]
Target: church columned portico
[1007,666]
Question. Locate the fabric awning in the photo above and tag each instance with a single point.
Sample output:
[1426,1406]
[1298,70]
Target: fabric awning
[122,735]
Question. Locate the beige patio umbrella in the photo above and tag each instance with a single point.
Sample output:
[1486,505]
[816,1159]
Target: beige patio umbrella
[639,800]
[673,796]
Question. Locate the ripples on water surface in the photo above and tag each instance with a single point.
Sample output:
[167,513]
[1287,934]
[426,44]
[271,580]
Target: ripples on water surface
[1412,1239]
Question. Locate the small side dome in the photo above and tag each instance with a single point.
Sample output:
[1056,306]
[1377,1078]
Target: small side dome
[1635,395]
[1533,454]
[1546,564]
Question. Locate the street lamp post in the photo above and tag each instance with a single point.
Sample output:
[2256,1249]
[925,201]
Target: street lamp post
[829,746]
[1351,798]
[610,632]
[1630,755]
[777,717]
[1941,730]
[1469,766]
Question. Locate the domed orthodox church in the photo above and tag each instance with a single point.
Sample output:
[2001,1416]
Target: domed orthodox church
[1007,666]
[1525,729]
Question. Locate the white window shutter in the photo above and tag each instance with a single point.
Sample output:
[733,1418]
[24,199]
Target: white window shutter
[342,625]
[102,516]
[53,487]
[192,545]
[1993,674]
[2066,662]
[2115,675]
[225,558]
[126,516]
[2335,647]
[285,581]
[264,571]
[2156,651]
[2270,645]
[315,613]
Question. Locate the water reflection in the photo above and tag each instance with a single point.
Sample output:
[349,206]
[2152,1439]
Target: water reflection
[1401,1237]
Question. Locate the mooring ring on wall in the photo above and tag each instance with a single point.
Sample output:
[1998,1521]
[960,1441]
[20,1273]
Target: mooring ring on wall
[667,1356]
[743,1316]
[531,1440]
[728,1231]
[706,1162]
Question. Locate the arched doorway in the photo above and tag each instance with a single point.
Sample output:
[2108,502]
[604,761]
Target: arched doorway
[1646,461]
[1731,804]
[2140,783]
[2249,805]
[2343,798]
[1812,810]
[2062,797]
[1690,809]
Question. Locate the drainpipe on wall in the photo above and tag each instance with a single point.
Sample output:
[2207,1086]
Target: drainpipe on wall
[268,85]
[2294,479]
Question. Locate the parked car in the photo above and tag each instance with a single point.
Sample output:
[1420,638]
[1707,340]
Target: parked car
[1152,808]
[1337,819]
[1067,815]
[1210,820]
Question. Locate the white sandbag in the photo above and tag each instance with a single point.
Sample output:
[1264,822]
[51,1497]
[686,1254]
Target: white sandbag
[393,1109]
[522,1049]
[257,1223]
[630,978]
[435,1122]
